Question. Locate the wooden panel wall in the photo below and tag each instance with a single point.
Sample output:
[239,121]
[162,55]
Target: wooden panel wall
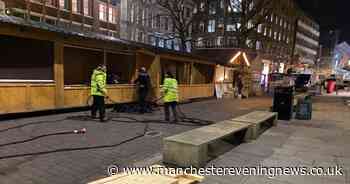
[195,91]
[26,97]
[76,96]
[122,93]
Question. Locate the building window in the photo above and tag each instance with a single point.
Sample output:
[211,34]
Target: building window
[235,5]
[169,44]
[103,11]
[222,4]
[271,17]
[112,15]
[232,42]
[177,45]
[166,23]
[64,4]
[195,10]
[87,7]
[275,35]
[76,6]
[231,27]
[188,12]
[201,7]
[161,42]
[132,13]
[150,19]
[143,16]
[152,40]
[259,28]
[280,36]
[201,27]
[258,45]
[200,42]
[212,7]
[220,41]
[250,24]
[211,26]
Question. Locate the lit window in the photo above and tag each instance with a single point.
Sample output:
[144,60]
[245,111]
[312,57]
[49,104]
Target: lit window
[169,44]
[259,28]
[236,5]
[231,27]
[220,41]
[211,26]
[112,15]
[64,4]
[86,7]
[222,4]
[202,5]
[212,7]
[103,11]
[200,42]
[76,6]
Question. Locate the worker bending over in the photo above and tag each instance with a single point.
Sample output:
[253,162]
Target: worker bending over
[170,96]
[99,91]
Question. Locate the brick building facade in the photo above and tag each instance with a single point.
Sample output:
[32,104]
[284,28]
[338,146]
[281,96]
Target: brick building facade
[99,16]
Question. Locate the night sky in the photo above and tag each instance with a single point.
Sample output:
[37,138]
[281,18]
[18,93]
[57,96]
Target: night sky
[333,14]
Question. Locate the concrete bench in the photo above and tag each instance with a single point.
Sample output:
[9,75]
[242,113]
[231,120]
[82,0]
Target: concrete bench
[259,121]
[192,148]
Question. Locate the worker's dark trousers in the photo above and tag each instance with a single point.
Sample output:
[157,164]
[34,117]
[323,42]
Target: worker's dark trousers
[98,105]
[142,100]
[173,105]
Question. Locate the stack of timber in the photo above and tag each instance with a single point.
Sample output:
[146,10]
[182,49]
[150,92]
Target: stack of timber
[162,175]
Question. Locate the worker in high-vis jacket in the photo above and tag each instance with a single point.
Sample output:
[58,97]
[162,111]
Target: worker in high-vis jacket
[171,96]
[99,91]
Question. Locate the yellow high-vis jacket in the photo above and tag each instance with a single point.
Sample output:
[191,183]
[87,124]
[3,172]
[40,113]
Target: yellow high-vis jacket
[170,90]
[98,83]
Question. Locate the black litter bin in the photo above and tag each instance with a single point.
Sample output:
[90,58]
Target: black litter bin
[283,102]
[304,109]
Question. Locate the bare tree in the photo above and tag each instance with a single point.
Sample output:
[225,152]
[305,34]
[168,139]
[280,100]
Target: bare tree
[181,16]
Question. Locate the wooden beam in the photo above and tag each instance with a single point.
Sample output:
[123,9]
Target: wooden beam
[59,74]
[143,51]
[191,73]
[155,76]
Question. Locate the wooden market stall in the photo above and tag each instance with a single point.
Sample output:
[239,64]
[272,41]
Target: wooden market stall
[42,69]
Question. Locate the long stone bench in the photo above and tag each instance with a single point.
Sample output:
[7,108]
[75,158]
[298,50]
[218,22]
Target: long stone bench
[191,148]
[259,121]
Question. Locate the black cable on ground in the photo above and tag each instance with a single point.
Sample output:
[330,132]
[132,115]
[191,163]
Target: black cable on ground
[32,123]
[72,149]
[82,131]
[145,130]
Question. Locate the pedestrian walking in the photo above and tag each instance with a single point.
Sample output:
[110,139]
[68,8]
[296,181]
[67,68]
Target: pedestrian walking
[143,81]
[99,92]
[171,97]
